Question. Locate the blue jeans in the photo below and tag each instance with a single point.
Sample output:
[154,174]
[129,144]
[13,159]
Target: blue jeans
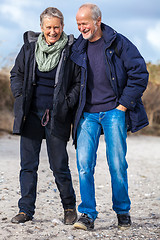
[30,146]
[115,131]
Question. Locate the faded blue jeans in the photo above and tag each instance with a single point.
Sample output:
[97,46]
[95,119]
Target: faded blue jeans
[115,132]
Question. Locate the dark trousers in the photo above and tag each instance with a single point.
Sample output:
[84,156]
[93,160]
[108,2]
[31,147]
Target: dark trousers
[30,147]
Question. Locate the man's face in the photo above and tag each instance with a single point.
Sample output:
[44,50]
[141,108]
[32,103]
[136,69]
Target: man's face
[52,29]
[87,26]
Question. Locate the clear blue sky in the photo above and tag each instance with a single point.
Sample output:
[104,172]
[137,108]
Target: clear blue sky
[138,20]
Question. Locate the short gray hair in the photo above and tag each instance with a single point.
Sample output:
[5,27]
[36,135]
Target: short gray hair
[51,12]
[96,12]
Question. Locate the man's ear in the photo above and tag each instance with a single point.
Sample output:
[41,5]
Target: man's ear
[99,21]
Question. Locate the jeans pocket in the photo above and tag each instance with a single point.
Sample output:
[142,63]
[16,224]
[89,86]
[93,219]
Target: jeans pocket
[120,110]
[118,115]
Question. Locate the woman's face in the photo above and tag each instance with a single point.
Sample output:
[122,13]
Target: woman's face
[52,29]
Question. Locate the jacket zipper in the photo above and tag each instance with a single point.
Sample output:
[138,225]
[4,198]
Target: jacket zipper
[109,69]
[110,73]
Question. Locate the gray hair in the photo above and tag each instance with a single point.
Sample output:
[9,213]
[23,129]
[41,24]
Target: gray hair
[51,12]
[96,12]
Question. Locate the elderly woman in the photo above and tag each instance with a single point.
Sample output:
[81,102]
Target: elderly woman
[45,84]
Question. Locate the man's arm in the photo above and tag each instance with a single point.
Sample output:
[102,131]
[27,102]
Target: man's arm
[73,94]
[137,75]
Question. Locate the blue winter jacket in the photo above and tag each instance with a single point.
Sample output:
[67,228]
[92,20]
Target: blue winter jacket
[128,76]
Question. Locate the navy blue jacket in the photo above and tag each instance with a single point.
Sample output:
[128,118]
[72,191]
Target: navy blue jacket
[128,76]
[66,92]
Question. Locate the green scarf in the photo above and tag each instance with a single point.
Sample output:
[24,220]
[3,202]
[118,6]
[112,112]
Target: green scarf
[47,57]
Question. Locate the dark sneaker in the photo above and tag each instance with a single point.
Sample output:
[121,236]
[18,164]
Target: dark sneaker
[84,222]
[21,218]
[70,216]
[124,221]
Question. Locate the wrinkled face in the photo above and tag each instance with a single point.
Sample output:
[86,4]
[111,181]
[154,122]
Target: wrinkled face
[89,28]
[52,29]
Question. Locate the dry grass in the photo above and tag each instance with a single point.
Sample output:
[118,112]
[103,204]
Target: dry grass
[6,98]
[6,102]
[154,73]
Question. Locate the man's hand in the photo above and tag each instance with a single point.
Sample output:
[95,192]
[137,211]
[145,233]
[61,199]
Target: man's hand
[122,108]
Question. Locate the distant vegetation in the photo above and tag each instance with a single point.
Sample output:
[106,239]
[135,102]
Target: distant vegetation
[6,102]
[151,99]
[154,73]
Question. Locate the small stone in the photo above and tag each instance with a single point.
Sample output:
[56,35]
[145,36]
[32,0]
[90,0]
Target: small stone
[56,222]
[71,237]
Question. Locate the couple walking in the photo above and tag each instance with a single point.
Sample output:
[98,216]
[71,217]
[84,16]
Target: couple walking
[95,82]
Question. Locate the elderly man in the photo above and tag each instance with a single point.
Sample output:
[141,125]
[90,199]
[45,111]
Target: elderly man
[113,79]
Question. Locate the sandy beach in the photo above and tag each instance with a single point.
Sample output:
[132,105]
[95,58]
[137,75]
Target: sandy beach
[144,188]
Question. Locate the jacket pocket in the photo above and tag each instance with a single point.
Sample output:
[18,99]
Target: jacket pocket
[19,114]
[138,117]
[62,109]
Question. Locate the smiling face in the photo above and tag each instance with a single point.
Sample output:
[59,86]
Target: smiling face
[90,29]
[52,29]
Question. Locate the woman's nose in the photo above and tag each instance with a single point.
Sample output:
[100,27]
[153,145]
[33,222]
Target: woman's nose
[52,31]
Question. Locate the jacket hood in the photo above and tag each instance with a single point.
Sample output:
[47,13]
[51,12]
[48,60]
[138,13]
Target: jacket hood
[31,36]
[109,35]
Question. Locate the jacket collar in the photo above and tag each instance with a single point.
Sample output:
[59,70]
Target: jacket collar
[109,34]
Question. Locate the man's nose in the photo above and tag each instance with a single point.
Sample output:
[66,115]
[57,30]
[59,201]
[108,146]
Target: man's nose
[81,28]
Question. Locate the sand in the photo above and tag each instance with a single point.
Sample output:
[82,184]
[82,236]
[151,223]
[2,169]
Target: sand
[144,189]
